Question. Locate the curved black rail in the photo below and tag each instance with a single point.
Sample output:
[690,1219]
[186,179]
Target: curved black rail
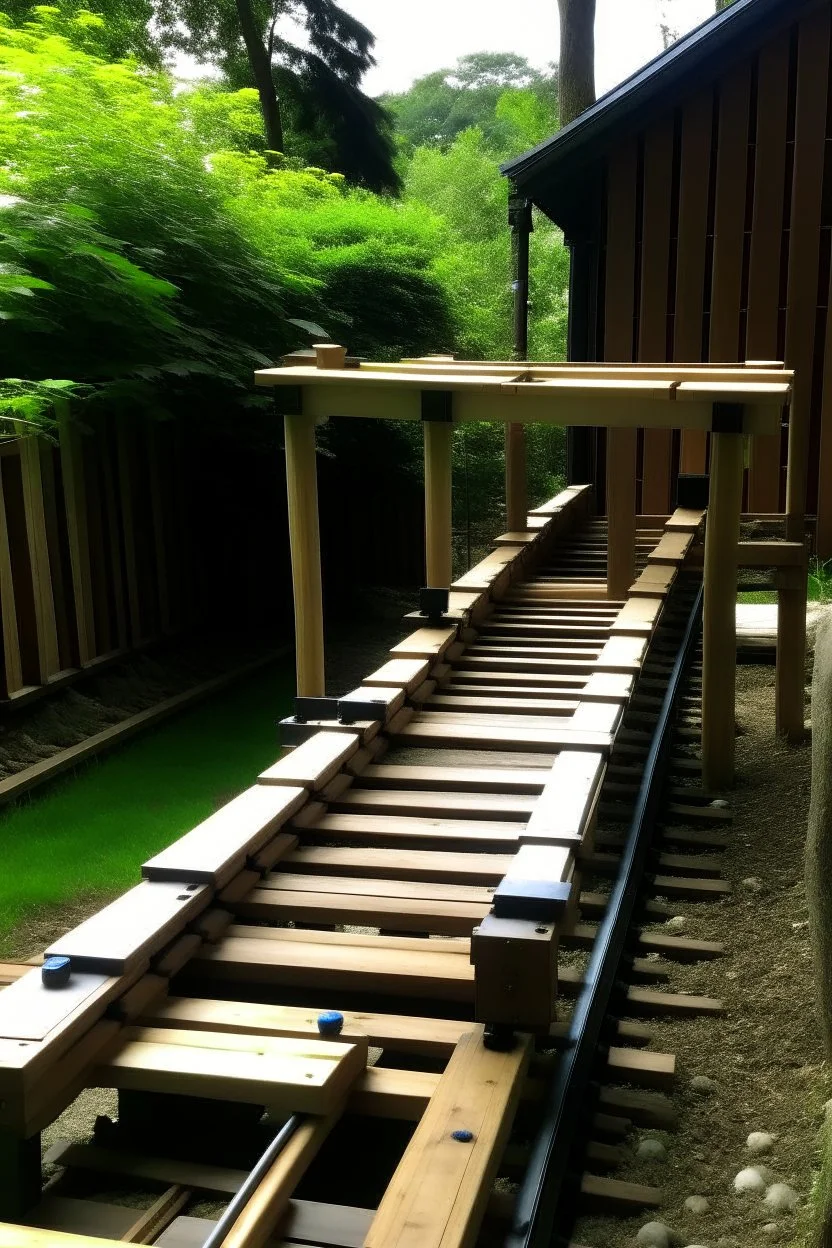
[538,1203]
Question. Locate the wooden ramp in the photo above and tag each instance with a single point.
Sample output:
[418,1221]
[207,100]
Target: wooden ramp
[417,873]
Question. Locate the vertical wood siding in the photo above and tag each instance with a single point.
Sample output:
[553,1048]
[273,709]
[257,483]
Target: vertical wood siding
[717,247]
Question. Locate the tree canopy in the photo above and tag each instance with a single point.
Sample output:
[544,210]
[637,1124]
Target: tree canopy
[441,105]
[306,59]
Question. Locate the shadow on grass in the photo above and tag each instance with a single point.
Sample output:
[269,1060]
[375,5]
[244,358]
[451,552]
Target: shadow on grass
[88,833]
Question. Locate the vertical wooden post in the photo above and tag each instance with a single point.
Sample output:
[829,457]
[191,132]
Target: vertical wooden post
[621,511]
[719,626]
[13,668]
[305,546]
[790,678]
[438,532]
[47,633]
[517,500]
[75,504]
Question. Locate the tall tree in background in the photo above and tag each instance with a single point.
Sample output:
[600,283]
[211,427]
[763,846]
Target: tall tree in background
[576,78]
[309,82]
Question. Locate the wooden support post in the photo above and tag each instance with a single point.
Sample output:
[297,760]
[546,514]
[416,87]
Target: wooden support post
[20,1174]
[517,499]
[438,550]
[719,627]
[621,511]
[305,545]
[39,557]
[75,502]
[790,677]
[12,681]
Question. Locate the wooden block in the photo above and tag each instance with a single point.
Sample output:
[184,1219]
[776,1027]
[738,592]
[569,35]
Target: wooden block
[130,930]
[399,673]
[622,654]
[482,736]
[684,520]
[448,917]
[452,779]
[307,1076]
[217,848]
[177,955]
[435,805]
[275,849]
[402,1033]
[425,643]
[562,812]
[672,548]
[516,972]
[314,762]
[390,698]
[532,888]
[617,1196]
[639,1066]
[439,1192]
[402,830]
[638,617]
[485,869]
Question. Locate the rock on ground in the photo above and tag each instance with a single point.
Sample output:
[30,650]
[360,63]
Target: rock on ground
[697,1204]
[759,1142]
[780,1198]
[654,1235]
[749,1180]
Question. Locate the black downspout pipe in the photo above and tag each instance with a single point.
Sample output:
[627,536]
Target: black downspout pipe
[520,221]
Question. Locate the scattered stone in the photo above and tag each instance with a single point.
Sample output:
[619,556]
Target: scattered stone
[827,1109]
[770,1228]
[749,1180]
[651,1150]
[654,1235]
[699,1157]
[719,802]
[703,1085]
[780,1198]
[697,1204]
[759,1142]
[753,884]
[677,924]
[727,1241]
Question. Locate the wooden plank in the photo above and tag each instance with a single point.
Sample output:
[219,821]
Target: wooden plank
[82,1217]
[425,643]
[561,813]
[360,886]
[313,763]
[765,253]
[440,1189]
[75,501]
[281,904]
[49,663]
[14,1236]
[13,669]
[804,249]
[486,869]
[374,966]
[406,674]
[422,804]
[481,736]
[305,547]
[217,848]
[161,538]
[126,459]
[452,779]
[404,829]
[655,264]
[729,214]
[289,1074]
[684,520]
[115,940]
[694,180]
[261,1216]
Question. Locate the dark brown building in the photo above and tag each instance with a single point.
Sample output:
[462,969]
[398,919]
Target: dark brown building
[696,199]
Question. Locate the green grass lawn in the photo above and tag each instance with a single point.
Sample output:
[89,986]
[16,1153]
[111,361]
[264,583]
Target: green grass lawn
[89,832]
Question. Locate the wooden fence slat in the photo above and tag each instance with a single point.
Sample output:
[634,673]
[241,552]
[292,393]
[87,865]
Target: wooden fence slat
[694,175]
[13,669]
[655,261]
[764,259]
[77,528]
[47,634]
[729,219]
[112,522]
[154,456]
[804,250]
[618,345]
[125,450]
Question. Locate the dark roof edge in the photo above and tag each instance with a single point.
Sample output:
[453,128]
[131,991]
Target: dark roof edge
[706,42]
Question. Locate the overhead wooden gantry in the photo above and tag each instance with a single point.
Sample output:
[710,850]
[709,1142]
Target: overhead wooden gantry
[727,403]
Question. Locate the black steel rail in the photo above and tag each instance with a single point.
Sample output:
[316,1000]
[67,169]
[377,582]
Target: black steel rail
[537,1211]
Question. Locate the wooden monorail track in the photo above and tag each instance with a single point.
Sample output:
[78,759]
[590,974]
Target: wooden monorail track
[430,875]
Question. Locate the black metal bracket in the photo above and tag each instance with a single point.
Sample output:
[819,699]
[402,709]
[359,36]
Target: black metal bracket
[433,603]
[726,418]
[438,405]
[520,213]
[288,400]
[540,901]
[298,728]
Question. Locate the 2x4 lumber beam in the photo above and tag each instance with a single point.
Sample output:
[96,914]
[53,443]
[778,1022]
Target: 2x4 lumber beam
[313,763]
[517,502]
[305,548]
[439,1192]
[719,641]
[438,436]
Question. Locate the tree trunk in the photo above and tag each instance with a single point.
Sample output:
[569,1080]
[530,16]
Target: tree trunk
[576,76]
[261,69]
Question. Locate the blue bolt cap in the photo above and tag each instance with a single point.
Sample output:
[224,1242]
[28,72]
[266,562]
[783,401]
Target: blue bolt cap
[330,1023]
[464,1137]
[55,972]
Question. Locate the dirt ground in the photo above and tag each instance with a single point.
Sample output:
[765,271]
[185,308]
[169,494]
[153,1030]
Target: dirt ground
[765,1054]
